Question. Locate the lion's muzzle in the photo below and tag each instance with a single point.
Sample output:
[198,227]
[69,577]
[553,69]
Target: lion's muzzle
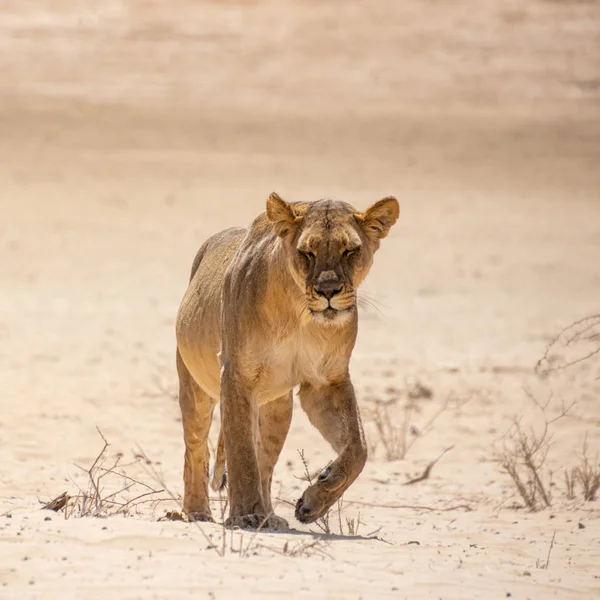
[328,284]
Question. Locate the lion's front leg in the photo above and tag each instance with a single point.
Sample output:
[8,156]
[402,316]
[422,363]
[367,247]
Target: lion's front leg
[248,509]
[334,412]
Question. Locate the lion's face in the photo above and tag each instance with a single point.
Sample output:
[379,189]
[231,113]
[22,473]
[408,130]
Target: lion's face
[330,249]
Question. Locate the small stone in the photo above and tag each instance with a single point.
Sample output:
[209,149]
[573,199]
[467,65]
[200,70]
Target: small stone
[526,573]
[581,525]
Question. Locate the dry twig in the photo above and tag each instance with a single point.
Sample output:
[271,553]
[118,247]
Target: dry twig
[550,551]
[427,472]
[414,507]
[585,331]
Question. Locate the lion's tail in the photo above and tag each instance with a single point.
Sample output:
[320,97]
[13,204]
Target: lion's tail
[218,480]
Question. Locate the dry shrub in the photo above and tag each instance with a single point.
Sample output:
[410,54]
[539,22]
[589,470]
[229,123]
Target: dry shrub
[525,451]
[574,345]
[393,435]
[523,459]
[524,455]
[393,421]
[109,490]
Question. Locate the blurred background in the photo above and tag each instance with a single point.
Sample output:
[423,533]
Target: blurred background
[130,130]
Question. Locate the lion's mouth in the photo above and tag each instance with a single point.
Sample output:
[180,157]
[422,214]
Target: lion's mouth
[328,313]
[331,314]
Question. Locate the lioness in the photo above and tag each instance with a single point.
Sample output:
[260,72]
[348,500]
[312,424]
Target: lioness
[269,308]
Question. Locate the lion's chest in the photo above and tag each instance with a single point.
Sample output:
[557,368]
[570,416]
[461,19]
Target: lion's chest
[293,361]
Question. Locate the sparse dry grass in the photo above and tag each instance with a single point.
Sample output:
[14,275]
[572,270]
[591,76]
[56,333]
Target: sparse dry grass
[392,423]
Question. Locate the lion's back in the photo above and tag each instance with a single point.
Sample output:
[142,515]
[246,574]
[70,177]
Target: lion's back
[221,248]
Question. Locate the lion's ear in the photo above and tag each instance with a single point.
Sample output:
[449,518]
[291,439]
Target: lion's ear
[377,220]
[282,215]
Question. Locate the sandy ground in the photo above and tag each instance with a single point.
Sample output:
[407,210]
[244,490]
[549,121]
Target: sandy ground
[131,132]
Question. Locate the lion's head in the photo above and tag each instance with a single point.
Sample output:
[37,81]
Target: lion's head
[329,247]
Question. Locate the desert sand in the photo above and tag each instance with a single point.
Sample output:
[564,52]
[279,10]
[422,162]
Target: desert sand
[131,131]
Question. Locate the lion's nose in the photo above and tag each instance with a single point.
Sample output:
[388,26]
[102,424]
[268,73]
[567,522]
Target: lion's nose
[328,285]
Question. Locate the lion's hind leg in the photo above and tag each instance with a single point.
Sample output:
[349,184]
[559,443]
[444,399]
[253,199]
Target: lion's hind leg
[196,413]
[218,481]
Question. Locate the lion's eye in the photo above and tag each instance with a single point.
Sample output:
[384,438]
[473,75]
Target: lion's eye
[349,252]
[306,254]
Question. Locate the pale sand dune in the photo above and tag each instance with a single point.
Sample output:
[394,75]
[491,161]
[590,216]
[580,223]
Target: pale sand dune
[131,133]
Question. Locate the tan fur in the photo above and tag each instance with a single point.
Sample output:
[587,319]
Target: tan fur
[269,308]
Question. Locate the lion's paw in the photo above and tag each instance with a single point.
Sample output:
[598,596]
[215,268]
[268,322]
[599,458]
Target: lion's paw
[254,521]
[200,516]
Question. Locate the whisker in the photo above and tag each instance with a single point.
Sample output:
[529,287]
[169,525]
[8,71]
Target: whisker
[366,301]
